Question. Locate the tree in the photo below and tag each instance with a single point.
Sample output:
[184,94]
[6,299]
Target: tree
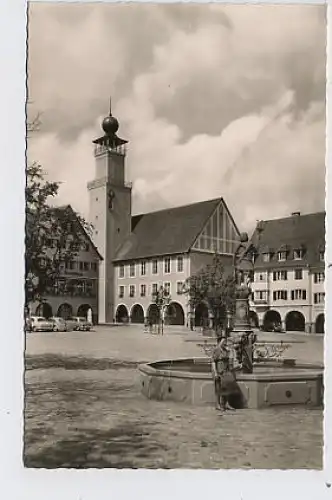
[162,299]
[215,287]
[53,234]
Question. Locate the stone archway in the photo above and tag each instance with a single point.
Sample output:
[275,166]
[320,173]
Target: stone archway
[201,314]
[175,314]
[320,323]
[65,311]
[153,314]
[295,322]
[121,315]
[45,310]
[272,320]
[83,310]
[253,318]
[137,314]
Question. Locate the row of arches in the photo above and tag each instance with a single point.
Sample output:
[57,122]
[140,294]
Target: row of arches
[294,321]
[174,314]
[64,311]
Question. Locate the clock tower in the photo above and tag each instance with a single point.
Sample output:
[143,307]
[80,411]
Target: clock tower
[110,209]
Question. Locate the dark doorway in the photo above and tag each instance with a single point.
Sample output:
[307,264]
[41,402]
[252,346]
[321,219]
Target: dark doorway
[295,322]
[175,314]
[272,321]
[121,314]
[137,314]
[65,311]
[320,323]
[44,310]
[82,311]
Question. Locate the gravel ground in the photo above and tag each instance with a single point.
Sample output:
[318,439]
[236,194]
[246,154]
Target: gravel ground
[84,409]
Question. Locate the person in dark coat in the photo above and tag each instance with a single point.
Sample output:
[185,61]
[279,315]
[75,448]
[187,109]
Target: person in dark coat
[223,368]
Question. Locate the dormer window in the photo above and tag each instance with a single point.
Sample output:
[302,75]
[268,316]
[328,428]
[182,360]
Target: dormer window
[282,255]
[298,254]
[266,257]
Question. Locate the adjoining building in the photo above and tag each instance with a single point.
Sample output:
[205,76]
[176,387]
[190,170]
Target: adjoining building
[75,291]
[145,251]
[289,273]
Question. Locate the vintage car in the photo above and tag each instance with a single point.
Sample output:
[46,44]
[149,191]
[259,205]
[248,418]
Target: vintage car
[40,324]
[59,324]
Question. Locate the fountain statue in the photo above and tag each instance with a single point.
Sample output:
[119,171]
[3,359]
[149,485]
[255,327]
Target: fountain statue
[242,334]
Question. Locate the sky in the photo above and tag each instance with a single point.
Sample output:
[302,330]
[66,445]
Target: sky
[217,100]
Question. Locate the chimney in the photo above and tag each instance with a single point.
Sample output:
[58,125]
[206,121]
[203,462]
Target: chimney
[296,214]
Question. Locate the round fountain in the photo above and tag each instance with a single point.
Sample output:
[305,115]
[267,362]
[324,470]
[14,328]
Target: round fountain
[266,377]
[272,382]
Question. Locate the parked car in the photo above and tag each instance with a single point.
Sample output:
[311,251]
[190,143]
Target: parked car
[78,323]
[59,324]
[40,324]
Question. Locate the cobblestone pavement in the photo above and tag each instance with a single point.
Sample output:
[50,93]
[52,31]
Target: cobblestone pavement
[96,416]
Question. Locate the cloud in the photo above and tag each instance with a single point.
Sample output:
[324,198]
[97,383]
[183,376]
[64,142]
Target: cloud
[211,105]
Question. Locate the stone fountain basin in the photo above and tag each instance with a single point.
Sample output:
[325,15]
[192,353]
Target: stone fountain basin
[273,383]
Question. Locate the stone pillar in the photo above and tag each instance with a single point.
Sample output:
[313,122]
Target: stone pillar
[283,325]
[309,328]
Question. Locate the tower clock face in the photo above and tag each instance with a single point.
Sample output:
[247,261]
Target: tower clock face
[111,196]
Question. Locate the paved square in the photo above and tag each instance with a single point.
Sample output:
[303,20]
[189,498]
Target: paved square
[84,409]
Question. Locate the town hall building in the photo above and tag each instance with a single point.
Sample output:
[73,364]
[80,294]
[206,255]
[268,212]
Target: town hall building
[142,252]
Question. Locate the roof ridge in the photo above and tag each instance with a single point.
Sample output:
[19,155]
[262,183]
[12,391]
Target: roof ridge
[179,206]
[287,217]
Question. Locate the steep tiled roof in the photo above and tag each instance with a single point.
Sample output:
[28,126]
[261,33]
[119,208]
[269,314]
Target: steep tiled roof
[166,232]
[296,232]
[69,208]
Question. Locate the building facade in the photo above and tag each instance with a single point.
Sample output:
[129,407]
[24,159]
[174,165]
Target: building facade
[75,291]
[142,252]
[289,273]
